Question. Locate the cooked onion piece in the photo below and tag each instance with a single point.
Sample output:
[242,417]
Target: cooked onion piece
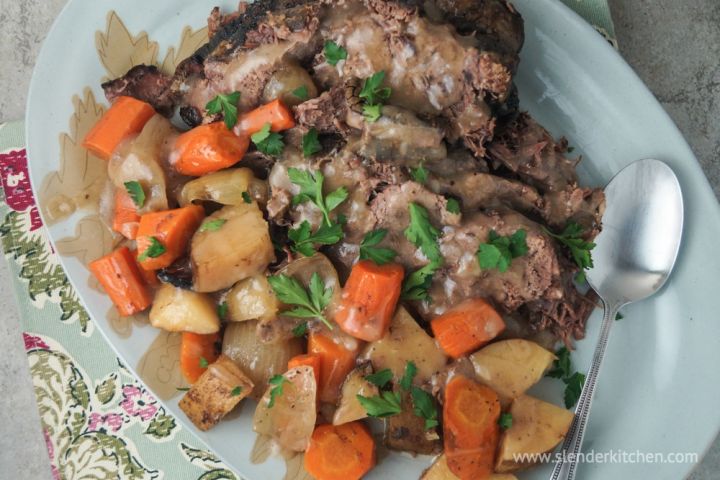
[260,361]
[290,418]
[288,79]
[225,187]
[140,160]
[303,269]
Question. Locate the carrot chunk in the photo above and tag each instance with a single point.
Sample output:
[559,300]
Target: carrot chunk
[467,327]
[120,276]
[340,452]
[470,426]
[125,219]
[209,148]
[336,362]
[171,229]
[369,299]
[197,351]
[125,117]
[310,360]
[275,113]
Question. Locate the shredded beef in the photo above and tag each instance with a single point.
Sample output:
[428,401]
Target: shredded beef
[326,113]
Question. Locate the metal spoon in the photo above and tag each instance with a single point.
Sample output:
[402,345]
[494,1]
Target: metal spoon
[634,256]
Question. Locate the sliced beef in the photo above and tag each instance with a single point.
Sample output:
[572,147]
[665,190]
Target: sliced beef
[525,148]
[457,160]
[326,113]
[584,206]
[398,136]
[390,210]
[495,22]
[564,317]
[483,191]
[146,83]
[529,278]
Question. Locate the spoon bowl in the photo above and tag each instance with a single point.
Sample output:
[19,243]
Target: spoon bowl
[633,257]
[640,239]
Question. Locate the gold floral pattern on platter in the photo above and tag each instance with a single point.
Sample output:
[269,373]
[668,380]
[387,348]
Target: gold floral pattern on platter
[77,187]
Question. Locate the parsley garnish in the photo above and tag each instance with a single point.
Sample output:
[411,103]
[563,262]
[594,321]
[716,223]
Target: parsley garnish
[561,366]
[305,241]
[203,362]
[571,237]
[381,378]
[505,421]
[236,391]
[573,381]
[246,197]
[227,104]
[619,316]
[311,189]
[424,236]
[268,142]
[422,233]
[212,225]
[277,381]
[452,205]
[334,53]
[308,303]
[369,250]
[300,330]
[424,407]
[310,143]
[384,405]
[499,251]
[371,91]
[153,251]
[301,92]
[182,389]
[136,192]
[222,310]
[374,96]
[408,376]
[372,113]
[573,388]
[416,285]
[419,174]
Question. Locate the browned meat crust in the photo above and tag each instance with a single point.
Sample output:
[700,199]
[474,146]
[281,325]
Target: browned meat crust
[145,83]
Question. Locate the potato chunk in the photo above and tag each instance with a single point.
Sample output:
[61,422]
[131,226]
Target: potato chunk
[537,427]
[179,310]
[251,299]
[405,342]
[355,384]
[439,471]
[216,393]
[511,367]
[237,249]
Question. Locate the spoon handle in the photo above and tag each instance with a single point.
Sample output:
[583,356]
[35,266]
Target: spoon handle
[567,463]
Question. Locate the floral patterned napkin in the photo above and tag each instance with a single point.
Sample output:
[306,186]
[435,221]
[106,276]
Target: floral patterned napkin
[98,420]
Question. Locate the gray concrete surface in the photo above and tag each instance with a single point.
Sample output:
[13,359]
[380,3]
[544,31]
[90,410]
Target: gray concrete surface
[674,45]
